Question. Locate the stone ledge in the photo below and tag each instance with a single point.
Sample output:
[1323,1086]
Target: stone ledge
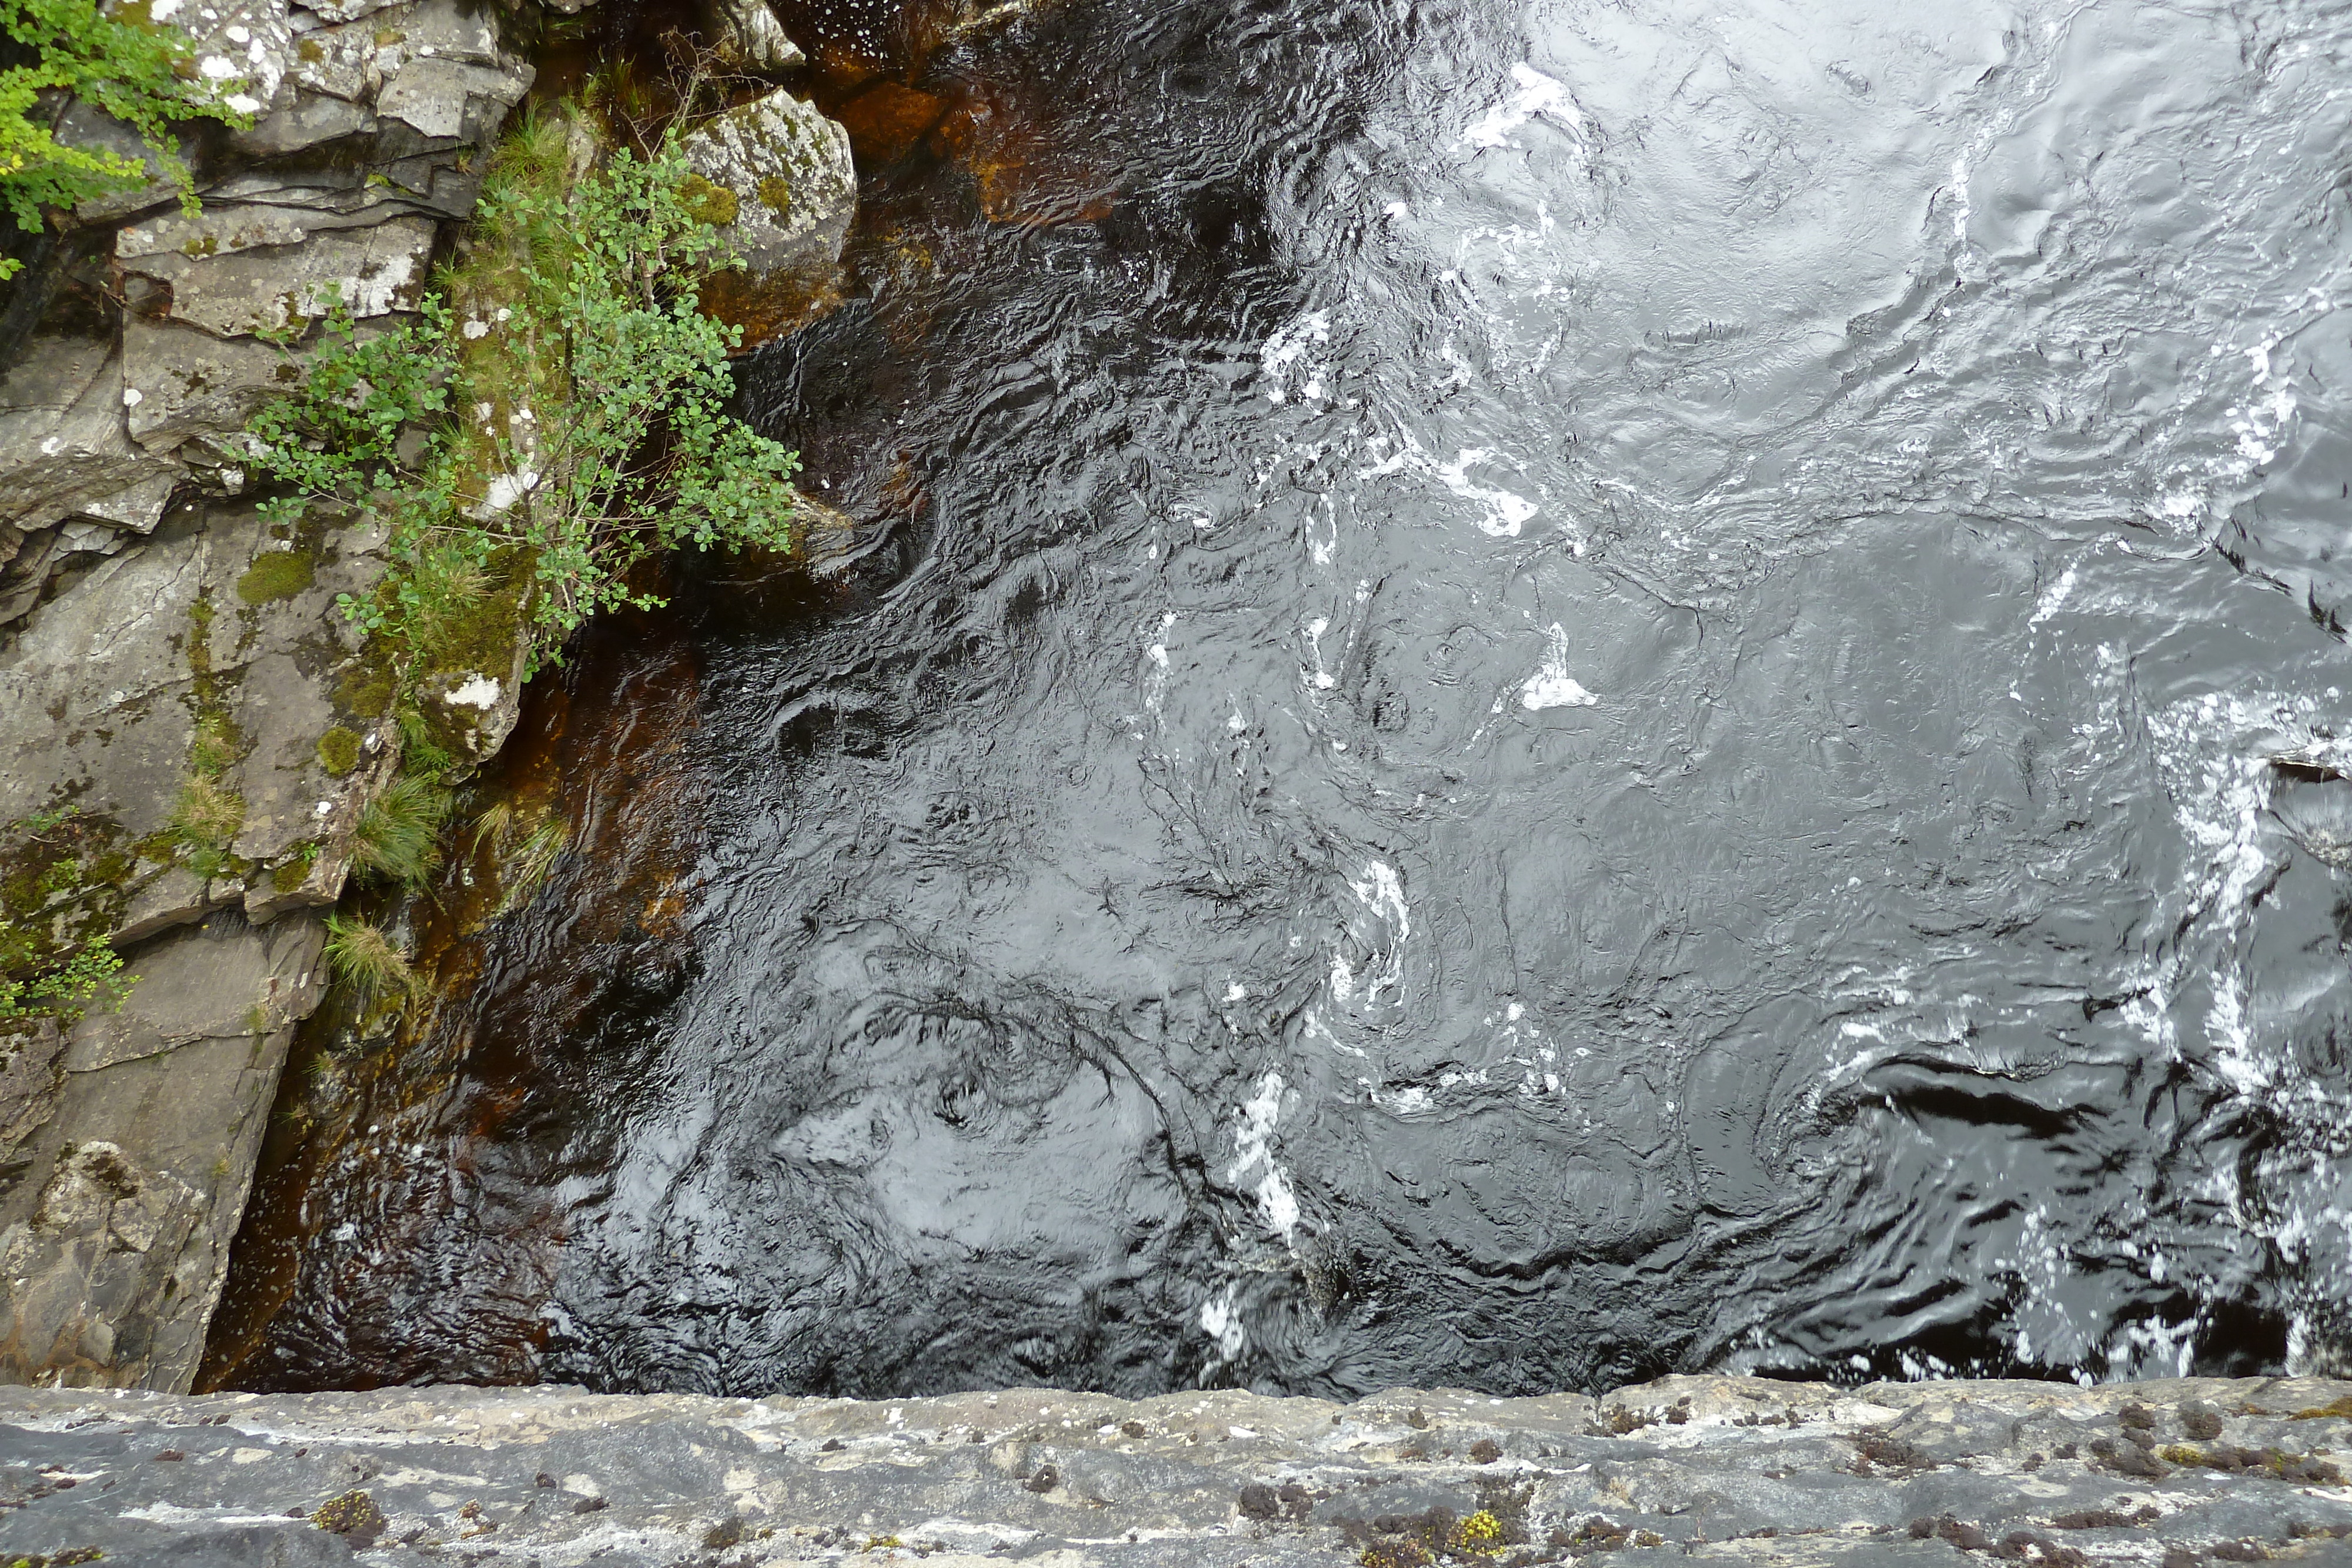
[1723,1468]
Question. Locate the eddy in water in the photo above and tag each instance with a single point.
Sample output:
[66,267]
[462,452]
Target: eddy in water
[1535,693]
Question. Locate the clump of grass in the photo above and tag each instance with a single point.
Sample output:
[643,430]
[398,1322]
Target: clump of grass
[442,596]
[214,747]
[399,833]
[533,862]
[493,825]
[362,957]
[204,820]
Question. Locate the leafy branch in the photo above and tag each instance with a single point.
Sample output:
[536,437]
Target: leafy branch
[562,397]
[126,64]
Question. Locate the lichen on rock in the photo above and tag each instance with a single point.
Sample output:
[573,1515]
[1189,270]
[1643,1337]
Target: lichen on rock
[787,171]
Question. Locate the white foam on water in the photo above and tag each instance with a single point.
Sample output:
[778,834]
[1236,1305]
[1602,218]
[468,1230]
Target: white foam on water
[2053,598]
[1277,1203]
[1551,685]
[1287,348]
[1537,94]
[1220,1319]
[1321,680]
[1505,512]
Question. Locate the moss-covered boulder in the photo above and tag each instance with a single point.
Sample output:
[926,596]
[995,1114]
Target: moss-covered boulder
[787,169]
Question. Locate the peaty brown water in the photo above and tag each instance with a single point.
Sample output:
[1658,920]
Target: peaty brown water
[1535,693]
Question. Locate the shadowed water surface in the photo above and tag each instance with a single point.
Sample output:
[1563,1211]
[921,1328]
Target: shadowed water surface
[1584,689]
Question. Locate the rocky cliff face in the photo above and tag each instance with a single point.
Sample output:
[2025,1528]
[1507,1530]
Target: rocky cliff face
[174,668]
[1737,1470]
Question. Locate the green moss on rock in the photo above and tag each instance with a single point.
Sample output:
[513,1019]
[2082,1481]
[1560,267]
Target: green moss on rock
[339,751]
[776,194]
[276,575]
[365,691]
[706,203]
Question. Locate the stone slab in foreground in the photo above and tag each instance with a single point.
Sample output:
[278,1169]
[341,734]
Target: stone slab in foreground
[1726,1469]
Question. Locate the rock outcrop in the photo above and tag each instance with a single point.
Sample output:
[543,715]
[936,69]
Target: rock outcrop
[148,1124]
[194,729]
[1724,1469]
[783,191]
[172,667]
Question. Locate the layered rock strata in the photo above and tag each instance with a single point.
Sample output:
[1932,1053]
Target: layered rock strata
[1725,1469]
[173,670]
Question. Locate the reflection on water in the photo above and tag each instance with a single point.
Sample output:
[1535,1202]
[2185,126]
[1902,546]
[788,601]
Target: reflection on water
[1546,693]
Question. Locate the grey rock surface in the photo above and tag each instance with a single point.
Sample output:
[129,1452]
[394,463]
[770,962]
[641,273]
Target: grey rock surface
[161,645]
[754,38]
[65,449]
[114,1231]
[1718,1469]
[796,190]
[104,689]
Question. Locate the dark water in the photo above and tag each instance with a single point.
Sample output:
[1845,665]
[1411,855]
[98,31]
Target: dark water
[1549,693]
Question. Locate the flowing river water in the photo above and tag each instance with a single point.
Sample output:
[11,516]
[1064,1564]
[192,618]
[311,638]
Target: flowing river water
[1530,694]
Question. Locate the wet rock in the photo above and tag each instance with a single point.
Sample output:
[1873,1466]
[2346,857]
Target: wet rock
[252,287]
[782,189]
[65,445]
[753,41]
[565,1478]
[887,121]
[107,687]
[114,1242]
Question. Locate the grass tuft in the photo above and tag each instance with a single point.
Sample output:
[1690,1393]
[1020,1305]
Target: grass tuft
[362,957]
[533,862]
[204,820]
[399,834]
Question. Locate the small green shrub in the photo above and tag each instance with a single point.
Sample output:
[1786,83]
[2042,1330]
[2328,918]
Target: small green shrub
[127,65]
[399,833]
[362,957]
[276,575]
[339,751]
[68,989]
[572,397]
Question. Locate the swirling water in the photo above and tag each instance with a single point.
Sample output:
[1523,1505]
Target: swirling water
[1543,692]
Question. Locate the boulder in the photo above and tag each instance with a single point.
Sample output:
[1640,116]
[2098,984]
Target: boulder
[753,40]
[784,188]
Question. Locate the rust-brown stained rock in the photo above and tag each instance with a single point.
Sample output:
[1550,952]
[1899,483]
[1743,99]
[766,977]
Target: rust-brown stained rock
[886,121]
[1022,177]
